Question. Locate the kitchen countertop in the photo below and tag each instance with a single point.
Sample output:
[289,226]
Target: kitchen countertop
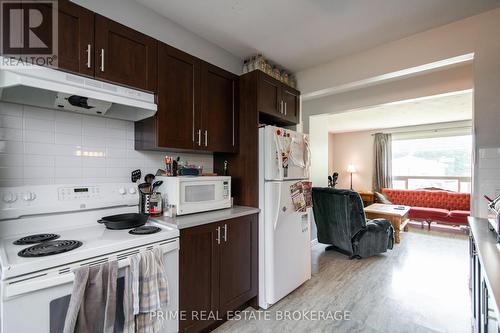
[193,220]
[489,255]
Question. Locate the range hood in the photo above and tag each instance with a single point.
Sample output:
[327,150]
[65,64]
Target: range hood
[49,88]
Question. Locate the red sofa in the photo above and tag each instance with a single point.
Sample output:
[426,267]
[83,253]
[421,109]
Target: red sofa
[432,205]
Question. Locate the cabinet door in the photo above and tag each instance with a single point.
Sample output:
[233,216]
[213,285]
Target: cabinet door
[178,98]
[291,104]
[124,56]
[198,275]
[269,95]
[238,262]
[75,38]
[218,115]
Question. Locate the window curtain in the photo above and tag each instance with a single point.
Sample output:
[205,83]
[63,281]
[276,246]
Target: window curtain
[382,177]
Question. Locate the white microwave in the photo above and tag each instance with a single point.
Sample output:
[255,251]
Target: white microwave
[191,194]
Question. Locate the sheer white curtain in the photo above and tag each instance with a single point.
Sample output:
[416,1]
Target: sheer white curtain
[382,176]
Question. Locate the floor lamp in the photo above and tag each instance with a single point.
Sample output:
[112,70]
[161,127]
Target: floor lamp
[351,169]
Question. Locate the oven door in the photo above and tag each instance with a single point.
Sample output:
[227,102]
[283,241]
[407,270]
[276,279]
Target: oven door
[39,304]
[203,195]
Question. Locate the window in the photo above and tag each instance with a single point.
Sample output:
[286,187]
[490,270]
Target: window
[442,162]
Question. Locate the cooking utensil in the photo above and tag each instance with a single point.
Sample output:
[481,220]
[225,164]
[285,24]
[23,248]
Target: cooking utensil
[144,188]
[156,184]
[160,172]
[149,178]
[124,221]
[136,175]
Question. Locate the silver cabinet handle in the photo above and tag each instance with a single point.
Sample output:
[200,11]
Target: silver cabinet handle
[233,112]
[199,137]
[89,52]
[206,138]
[285,108]
[102,60]
[281,107]
[225,232]
[218,235]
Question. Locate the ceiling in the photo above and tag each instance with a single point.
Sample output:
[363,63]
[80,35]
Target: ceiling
[429,110]
[298,34]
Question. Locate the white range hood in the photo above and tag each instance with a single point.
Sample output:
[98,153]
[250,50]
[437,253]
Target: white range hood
[48,88]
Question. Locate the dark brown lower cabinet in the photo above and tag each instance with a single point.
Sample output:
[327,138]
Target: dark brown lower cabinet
[218,270]
[199,275]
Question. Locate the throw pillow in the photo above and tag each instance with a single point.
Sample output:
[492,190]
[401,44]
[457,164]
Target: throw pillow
[380,198]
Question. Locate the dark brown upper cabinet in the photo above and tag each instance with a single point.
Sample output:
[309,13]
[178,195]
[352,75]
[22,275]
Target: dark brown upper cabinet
[197,106]
[277,102]
[124,56]
[75,38]
[178,98]
[93,45]
[218,109]
[269,95]
[291,104]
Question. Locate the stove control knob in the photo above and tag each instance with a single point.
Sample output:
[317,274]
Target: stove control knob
[122,191]
[29,196]
[131,190]
[9,197]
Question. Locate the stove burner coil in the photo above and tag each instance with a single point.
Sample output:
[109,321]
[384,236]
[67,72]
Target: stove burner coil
[34,239]
[49,248]
[144,230]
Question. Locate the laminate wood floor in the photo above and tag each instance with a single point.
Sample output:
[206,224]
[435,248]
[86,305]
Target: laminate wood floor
[419,286]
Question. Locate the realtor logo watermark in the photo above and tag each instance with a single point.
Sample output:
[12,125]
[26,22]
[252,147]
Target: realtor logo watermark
[29,32]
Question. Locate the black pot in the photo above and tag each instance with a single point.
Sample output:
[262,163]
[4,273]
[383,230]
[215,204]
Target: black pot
[124,221]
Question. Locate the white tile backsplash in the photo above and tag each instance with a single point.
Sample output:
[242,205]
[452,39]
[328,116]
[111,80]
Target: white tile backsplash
[38,136]
[41,146]
[9,160]
[11,134]
[10,121]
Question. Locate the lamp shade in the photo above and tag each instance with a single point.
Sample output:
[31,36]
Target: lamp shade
[351,168]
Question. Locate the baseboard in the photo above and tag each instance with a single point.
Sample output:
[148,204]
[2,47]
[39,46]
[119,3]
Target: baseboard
[314,242]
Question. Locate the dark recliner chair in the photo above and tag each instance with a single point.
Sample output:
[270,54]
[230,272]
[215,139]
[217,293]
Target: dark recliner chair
[341,222]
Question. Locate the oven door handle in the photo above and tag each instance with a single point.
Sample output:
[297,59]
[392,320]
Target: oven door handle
[24,285]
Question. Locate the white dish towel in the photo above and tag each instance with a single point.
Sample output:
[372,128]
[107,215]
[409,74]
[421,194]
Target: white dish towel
[146,291]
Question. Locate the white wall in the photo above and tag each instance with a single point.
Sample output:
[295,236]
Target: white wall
[448,80]
[147,21]
[41,146]
[319,149]
[318,140]
[477,34]
[352,148]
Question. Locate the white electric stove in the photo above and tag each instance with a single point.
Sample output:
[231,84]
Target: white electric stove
[60,224]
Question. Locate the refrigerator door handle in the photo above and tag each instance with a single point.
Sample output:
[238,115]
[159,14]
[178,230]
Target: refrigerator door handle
[277,186]
[280,158]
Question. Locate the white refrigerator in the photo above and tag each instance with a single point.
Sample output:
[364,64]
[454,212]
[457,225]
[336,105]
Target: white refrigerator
[284,234]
